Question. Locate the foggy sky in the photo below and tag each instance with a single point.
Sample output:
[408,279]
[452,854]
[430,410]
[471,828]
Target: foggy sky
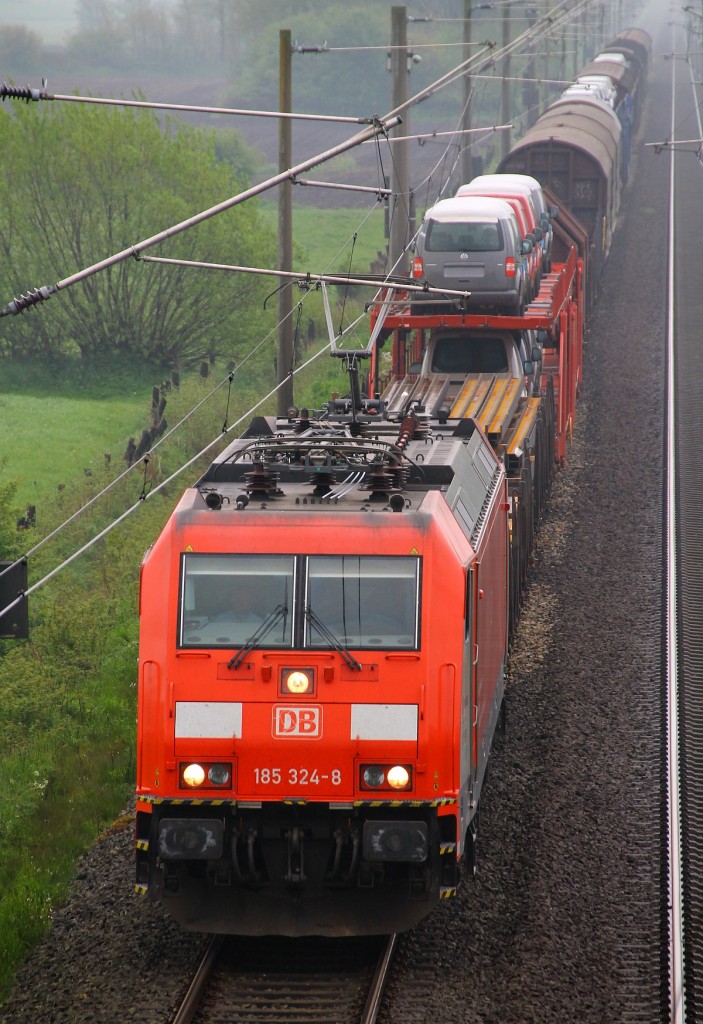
[53,20]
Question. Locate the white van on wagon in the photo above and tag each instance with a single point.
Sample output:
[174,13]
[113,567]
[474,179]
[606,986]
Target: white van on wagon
[472,245]
[511,184]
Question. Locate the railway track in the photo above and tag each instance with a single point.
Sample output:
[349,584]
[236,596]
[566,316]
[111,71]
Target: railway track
[249,981]
[685,550]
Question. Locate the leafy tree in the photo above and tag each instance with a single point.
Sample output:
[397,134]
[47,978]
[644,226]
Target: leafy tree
[79,183]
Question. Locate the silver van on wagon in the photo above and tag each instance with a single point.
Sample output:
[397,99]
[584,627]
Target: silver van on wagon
[472,245]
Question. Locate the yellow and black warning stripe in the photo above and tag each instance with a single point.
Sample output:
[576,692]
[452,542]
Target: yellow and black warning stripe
[439,802]
[179,801]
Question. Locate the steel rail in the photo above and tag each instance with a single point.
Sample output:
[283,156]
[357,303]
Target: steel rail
[674,854]
[378,982]
[189,1007]
[694,83]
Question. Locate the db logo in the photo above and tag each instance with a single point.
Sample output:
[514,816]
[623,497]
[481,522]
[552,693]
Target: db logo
[297,721]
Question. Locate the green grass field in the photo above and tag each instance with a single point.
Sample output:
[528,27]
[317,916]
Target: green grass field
[60,421]
[67,714]
[77,434]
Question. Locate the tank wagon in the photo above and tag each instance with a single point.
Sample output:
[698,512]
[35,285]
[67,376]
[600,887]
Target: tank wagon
[326,617]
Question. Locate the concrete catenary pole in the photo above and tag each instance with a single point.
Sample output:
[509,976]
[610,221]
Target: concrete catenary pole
[399,211]
[284,353]
[505,107]
[467,152]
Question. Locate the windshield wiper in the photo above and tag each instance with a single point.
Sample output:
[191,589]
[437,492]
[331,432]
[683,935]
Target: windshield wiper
[331,639]
[278,613]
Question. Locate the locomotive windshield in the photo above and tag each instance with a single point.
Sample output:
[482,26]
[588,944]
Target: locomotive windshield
[340,600]
[225,598]
[363,601]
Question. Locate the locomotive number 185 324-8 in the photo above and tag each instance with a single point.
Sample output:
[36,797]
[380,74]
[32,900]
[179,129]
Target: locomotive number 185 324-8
[296,776]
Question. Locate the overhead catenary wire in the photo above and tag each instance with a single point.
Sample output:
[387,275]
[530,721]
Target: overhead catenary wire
[552,19]
[383,48]
[18,305]
[24,301]
[380,192]
[524,78]
[560,13]
[380,126]
[306,278]
[486,130]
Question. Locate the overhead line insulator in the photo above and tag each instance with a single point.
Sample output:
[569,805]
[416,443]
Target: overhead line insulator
[26,93]
[27,300]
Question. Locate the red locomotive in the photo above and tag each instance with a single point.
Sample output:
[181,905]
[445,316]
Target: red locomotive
[332,606]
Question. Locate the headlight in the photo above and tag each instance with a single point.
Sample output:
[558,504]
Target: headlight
[297,682]
[193,775]
[381,776]
[398,777]
[208,775]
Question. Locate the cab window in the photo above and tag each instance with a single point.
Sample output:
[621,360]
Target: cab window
[225,599]
[362,601]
